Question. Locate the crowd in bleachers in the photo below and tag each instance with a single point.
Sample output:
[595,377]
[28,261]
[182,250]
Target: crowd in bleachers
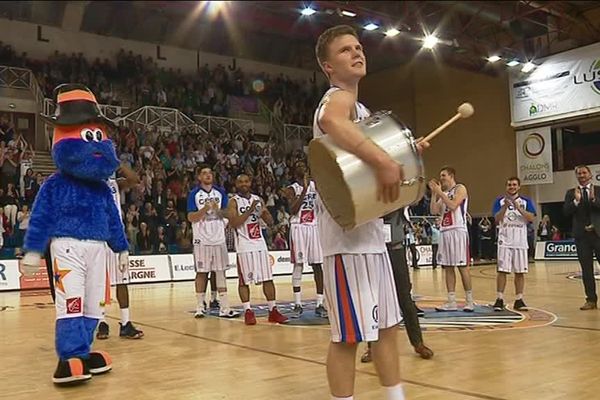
[142,82]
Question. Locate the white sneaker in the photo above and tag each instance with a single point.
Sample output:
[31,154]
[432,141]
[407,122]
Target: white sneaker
[228,313]
[200,313]
[450,306]
[469,306]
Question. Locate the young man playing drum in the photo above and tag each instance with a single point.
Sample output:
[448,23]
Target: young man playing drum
[359,286]
[450,200]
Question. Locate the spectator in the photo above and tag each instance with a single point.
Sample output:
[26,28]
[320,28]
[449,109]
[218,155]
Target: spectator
[10,202]
[144,241]
[544,230]
[184,237]
[279,243]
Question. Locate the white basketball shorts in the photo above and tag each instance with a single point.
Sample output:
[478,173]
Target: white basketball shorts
[80,277]
[254,267]
[513,260]
[305,246]
[453,250]
[361,296]
[209,258]
[117,277]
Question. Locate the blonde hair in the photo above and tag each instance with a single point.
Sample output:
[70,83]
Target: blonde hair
[325,39]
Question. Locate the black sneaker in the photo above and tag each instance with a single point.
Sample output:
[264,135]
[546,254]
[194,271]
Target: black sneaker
[321,312]
[420,312]
[71,371]
[98,363]
[129,331]
[103,329]
[296,311]
[520,305]
[498,305]
[215,305]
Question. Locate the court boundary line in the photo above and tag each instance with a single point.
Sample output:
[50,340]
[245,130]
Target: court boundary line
[298,358]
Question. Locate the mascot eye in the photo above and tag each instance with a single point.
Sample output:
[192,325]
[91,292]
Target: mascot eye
[87,135]
[98,135]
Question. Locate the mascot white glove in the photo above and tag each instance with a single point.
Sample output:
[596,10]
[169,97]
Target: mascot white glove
[123,260]
[31,263]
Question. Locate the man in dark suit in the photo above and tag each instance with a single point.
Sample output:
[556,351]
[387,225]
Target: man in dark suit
[410,312]
[583,205]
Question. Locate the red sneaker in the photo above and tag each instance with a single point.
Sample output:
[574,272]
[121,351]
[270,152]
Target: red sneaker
[276,317]
[249,317]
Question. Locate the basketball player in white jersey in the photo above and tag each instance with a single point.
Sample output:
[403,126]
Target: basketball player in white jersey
[357,273]
[119,277]
[305,246]
[450,200]
[206,210]
[245,212]
[512,213]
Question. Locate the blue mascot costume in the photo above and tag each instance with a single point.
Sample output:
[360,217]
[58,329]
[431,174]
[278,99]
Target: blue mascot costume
[74,213]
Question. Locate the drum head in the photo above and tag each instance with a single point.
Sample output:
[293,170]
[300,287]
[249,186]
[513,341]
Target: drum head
[329,179]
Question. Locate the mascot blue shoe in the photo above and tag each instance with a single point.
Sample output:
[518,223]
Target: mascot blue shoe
[75,215]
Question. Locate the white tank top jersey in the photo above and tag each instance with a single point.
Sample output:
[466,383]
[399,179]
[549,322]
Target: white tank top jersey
[456,219]
[512,232]
[114,189]
[209,231]
[248,236]
[307,213]
[365,239]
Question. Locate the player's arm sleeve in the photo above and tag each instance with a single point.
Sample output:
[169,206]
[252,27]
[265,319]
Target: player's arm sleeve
[224,198]
[117,241]
[42,220]
[191,202]
[530,207]
[497,206]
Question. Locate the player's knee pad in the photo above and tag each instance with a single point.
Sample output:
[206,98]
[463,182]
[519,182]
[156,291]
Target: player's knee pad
[297,275]
[221,281]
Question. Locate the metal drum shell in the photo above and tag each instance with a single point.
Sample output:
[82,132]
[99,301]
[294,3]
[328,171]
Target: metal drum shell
[348,186]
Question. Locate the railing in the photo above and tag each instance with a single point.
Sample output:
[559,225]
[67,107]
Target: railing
[276,128]
[163,118]
[232,125]
[296,136]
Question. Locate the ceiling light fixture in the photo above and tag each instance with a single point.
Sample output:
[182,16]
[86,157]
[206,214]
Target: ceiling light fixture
[307,11]
[529,66]
[392,32]
[430,41]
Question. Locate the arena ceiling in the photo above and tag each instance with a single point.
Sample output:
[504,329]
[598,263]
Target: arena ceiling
[276,32]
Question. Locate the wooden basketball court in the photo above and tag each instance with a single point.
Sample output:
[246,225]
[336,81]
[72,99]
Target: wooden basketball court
[211,359]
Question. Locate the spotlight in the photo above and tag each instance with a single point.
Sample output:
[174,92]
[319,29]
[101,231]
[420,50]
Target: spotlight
[392,32]
[512,63]
[347,13]
[308,11]
[493,59]
[430,41]
[371,26]
[528,67]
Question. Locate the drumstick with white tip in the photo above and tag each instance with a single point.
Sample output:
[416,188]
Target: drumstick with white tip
[465,110]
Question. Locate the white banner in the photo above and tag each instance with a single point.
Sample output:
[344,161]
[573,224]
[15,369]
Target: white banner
[182,267]
[534,156]
[149,269]
[9,275]
[424,255]
[562,86]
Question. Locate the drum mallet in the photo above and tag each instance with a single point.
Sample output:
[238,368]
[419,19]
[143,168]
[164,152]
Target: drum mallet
[465,110]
